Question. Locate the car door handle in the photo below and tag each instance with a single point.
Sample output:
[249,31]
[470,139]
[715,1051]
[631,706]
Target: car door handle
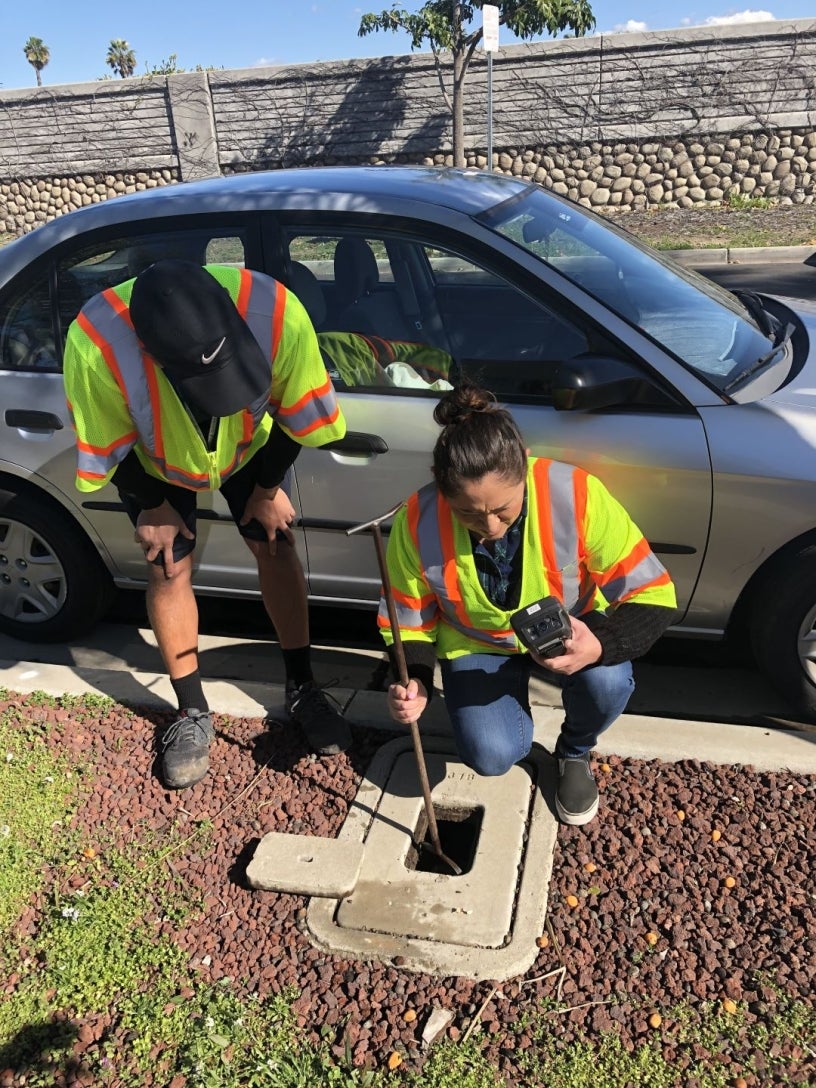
[29,420]
[357,442]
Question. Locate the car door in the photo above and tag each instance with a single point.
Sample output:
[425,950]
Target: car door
[497,327]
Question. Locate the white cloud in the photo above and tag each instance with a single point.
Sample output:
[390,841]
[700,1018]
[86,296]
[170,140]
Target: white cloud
[631,26]
[748,16]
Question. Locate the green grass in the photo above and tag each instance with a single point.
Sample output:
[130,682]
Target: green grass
[99,955]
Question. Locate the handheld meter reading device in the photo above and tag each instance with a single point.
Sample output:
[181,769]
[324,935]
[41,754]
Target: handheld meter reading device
[543,626]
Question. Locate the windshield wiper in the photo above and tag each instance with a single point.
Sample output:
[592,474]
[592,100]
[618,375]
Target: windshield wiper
[782,338]
[753,303]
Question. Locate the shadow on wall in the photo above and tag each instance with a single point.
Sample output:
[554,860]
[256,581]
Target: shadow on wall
[298,131]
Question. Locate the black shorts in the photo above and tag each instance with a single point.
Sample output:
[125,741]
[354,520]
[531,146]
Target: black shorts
[236,490]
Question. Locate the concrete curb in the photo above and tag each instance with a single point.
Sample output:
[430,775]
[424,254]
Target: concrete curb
[637,736]
[703,258]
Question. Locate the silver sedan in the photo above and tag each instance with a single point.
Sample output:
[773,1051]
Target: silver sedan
[696,406]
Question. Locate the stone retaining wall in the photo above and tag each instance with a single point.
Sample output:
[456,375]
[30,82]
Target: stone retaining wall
[624,121]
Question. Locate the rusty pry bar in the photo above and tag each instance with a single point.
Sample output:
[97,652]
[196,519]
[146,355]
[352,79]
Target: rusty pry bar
[399,654]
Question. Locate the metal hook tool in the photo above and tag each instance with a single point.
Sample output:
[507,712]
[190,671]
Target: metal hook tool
[399,654]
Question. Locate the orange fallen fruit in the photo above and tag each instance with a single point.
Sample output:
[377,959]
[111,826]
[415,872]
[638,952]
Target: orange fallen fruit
[409,1016]
[729,882]
[89,852]
[651,938]
[729,1006]
[716,835]
[655,1020]
[606,768]
[394,1060]
[590,866]
[681,815]
[543,941]
[572,900]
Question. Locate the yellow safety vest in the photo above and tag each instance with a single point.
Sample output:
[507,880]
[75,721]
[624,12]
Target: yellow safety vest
[578,544]
[120,399]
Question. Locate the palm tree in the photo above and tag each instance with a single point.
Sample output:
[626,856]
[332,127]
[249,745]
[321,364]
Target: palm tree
[38,55]
[121,58]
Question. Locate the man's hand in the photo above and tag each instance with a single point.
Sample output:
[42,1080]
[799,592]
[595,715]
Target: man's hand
[271,507]
[579,651]
[406,704]
[156,530]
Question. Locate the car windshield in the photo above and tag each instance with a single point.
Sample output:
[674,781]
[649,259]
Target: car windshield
[704,326]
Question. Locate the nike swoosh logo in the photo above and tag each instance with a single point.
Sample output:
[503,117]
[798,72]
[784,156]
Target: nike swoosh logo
[207,359]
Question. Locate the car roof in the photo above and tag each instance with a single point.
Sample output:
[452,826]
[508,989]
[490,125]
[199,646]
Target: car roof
[395,190]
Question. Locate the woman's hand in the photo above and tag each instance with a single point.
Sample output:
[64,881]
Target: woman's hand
[579,651]
[407,704]
[156,530]
[272,508]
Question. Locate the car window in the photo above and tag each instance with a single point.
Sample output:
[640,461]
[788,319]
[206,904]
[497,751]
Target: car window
[27,340]
[702,325]
[34,320]
[403,316]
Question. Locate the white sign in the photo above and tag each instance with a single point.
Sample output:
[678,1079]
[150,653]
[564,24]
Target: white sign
[490,28]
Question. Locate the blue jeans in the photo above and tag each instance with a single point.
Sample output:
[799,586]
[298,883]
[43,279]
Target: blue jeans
[487,698]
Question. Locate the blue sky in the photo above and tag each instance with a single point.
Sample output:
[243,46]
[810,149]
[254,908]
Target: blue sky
[272,32]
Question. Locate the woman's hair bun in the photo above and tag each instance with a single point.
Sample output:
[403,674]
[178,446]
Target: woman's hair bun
[462,402]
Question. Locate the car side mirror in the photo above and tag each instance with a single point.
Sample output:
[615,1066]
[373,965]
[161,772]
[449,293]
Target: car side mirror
[589,382]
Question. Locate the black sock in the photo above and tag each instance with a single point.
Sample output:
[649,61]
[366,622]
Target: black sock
[190,692]
[298,666]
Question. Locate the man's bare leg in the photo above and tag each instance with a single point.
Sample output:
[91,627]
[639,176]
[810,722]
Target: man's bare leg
[173,613]
[283,589]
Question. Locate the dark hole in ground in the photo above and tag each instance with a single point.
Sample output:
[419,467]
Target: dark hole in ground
[459,830]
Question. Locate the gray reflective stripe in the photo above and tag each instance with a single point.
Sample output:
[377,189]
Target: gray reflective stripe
[260,310]
[647,570]
[409,617]
[476,635]
[585,601]
[430,543]
[109,324]
[97,464]
[565,530]
[432,560]
[259,315]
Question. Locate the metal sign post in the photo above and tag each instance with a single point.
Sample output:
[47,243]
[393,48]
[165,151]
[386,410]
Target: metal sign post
[490,41]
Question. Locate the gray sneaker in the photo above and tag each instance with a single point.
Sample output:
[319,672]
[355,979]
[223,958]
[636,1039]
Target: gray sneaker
[186,749]
[576,799]
[325,728]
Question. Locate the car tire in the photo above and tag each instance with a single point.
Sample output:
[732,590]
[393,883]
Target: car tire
[53,585]
[783,629]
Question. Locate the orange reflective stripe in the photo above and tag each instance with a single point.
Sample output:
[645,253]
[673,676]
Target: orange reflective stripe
[450,577]
[105,350]
[663,579]
[277,318]
[244,292]
[626,565]
[103,451]
[118,305]
[412,517]
[313,396]
[91,475]
[383,623]
[545,528]
[579,483]
[417,603]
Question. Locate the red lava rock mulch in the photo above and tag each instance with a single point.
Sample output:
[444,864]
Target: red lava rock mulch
[693,885]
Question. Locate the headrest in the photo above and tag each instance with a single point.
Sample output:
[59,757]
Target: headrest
[355,268]
[306,286]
